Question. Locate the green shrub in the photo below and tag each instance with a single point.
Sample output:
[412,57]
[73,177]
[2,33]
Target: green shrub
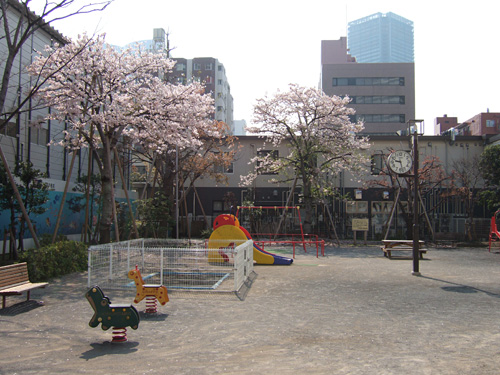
[205,233]
[46,239]
[55,260]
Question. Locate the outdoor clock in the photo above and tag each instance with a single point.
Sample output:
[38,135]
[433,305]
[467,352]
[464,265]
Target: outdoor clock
[400,162]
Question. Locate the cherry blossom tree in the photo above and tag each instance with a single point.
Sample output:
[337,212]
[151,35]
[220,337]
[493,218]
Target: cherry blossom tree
[17,32]
[320,137]
[212,160]
[19,23]
[208,158]
[105,95]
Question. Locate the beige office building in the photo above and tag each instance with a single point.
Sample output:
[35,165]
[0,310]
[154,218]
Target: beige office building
[383,94]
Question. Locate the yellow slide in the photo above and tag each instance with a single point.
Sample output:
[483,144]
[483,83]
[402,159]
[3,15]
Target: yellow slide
[226,231]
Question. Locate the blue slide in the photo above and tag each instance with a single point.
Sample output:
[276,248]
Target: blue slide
[276,259]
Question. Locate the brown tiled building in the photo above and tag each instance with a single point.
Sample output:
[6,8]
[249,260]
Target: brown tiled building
[444,123]
[486,123]
[482,124]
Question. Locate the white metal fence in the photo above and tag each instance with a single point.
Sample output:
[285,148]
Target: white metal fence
[181,265]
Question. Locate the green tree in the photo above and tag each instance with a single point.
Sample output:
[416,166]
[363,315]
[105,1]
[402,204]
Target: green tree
[9,202]
[90,189]
[490,167]
[154,217]
[34,192]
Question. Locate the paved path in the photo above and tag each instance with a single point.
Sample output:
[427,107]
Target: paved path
[350,312]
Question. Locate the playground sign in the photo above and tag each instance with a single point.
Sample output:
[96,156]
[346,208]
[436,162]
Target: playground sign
[360,225]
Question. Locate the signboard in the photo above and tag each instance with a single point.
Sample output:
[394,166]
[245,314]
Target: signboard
[360,225]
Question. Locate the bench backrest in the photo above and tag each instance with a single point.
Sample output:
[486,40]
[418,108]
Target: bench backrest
[13,274]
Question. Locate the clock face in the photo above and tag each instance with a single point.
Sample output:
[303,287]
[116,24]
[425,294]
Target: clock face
[400,162]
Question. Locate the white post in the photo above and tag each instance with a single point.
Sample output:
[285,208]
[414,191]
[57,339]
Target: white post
[89,268]
[128,255]
[161,267]
[142,253]
[235,268]
[110,262]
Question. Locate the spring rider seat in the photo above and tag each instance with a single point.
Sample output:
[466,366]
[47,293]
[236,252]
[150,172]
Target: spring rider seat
[111,315]
[151,292]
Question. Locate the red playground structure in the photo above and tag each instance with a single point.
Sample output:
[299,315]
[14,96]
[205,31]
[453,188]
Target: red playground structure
[288,218]
[494,235]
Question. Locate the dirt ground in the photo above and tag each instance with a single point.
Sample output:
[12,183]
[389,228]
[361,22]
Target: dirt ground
[350,312]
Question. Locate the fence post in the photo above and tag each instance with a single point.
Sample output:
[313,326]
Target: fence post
[236,267]
[110,261]
[89,268]
[142,253]
[161,266]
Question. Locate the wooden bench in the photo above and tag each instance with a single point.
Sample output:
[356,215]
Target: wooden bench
[14,280]
[401,245]
[387,250]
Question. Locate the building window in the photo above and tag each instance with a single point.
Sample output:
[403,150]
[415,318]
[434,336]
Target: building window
[10,129]
[39,136]
[209,80]
[378,99]
[209,66]
[219,81]
[217,206]
[356,207]
[377,163]
[180,67]
[490,123]
[399,118]
[373,81]
[218,168]
[223,169]
[197,66]
[262,168]
[219,108]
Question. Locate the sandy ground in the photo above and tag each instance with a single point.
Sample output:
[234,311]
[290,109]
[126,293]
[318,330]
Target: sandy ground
[350,312]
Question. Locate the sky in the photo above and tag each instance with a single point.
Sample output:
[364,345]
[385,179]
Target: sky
[266,45]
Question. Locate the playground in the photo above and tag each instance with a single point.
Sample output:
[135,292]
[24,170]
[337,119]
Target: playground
[352,311]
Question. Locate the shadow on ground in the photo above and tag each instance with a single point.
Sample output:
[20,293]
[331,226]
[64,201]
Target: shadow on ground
[461,288]
[110,348]
[21,307]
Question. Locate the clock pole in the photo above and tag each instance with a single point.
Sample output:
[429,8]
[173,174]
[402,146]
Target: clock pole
[413,128]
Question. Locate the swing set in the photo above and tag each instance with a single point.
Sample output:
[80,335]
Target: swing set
[290,218]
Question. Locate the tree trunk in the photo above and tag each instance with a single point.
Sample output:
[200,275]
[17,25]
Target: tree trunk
[107,198]
[308,205]
[168,189]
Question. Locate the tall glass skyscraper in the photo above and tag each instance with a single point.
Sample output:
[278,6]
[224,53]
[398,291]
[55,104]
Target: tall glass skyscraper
[381,38]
